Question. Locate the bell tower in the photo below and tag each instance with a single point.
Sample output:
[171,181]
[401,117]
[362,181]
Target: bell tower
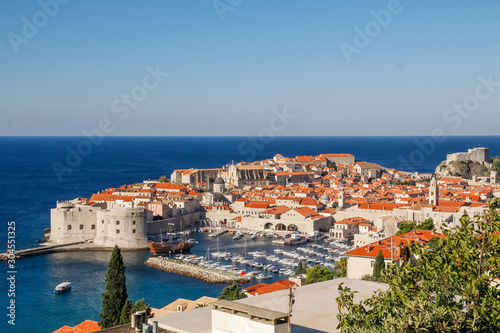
[341,201]
[434,192]
[494,176]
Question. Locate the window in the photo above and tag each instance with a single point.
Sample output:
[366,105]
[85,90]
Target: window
[133,231]
[117,231]
[92,227]
[373,263]
[69,226]
[133,222]
[81,226]
[117,222]
[102,221]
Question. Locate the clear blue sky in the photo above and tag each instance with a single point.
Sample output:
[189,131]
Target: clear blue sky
[226,76]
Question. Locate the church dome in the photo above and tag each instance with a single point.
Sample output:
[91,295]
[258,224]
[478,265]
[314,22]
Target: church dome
[219,181]
[325,197]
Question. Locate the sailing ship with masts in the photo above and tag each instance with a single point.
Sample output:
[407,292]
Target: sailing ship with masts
[172,246]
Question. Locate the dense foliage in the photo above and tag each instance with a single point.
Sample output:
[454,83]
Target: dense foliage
[378,266]
[115,297]
[318,274]
[405,227]
[116,308]
[164,179]
[130,308]
[340,269]
[232,292]
[452,286]
[301,268]
[496,164]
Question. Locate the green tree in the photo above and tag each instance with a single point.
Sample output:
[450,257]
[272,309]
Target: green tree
[232,292]
[449,289]
[308,168]
[125,314]
[405,227]
[426,225]
[115,297]
[340,269]
[324,173]
[378,266]
[140,305]
[163,179]
[496,164]
[318,274]
[130,308]
[332,165]
[435,244]
[301,268]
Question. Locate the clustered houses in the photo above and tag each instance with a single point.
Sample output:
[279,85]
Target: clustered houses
[119,216]
[395,250]
[352,200]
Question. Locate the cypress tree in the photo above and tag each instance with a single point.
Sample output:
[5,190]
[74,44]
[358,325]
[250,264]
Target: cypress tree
[379,265]
[301,268]
[115,297]
[125,316]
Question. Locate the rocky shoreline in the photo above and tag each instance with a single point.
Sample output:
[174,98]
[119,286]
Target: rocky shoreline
[194,271]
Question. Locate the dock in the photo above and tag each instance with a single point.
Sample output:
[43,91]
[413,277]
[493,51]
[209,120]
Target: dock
[196,272]
[46,249]
[218,233]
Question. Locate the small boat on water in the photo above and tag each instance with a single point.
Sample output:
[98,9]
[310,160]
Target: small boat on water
[239,235]
[62,287]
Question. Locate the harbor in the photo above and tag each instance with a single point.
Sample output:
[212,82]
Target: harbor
[198,272]
[249,256]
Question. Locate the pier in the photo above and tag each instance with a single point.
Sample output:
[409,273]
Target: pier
[67,247]
[196,272]
[217,233]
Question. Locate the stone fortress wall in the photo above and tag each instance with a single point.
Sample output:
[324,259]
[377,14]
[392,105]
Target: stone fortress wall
[105,227]
[481,155]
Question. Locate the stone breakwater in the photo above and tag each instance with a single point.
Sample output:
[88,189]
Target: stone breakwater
[194,271]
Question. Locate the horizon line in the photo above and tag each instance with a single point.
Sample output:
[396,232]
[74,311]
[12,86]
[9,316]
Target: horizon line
[241,136]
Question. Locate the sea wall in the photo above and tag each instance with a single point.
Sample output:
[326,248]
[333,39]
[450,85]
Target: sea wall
[194,271]
[179,223]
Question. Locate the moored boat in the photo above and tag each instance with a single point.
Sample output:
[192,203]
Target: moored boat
[169,248]
[62,287]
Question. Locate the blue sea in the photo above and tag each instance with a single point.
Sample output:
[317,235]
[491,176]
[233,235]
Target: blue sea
[38,171]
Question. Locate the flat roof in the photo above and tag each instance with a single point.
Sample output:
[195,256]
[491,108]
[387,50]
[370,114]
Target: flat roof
[251,310]
[315,308]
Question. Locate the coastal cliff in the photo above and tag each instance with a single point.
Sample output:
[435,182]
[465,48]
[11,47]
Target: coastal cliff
[463,169]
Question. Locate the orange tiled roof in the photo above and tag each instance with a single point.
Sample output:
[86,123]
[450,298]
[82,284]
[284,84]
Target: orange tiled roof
[85,327]
[372,249]
[89,326]
[276,210]
[263,288]
[168,186]
[257,204]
